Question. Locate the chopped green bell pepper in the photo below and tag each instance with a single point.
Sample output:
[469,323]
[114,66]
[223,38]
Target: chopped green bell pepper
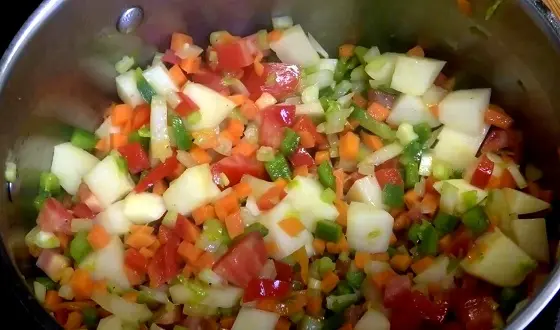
[355,278]
[80,247]
[343,288]
[411,174]
[475,220]
[412,152]
[445,223]
[424,132]
[183,139]
[393,195]
[83,139]
[290,142]
[49,183]
[278,168]
[258,227]
[329,231]
[326,175]
[338,304]
[378,128]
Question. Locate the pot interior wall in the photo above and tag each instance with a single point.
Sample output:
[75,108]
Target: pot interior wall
[62,75]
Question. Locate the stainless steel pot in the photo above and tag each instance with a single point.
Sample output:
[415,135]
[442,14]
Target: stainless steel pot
[59,71]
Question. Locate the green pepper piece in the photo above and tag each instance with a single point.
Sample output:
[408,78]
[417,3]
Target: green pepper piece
[290,142]
[146,91]
[338,304]
[424,132]
[183,138]
[46,282]
[278,168]
[83,139]
[340,69]
[360,51]
[90,317]
[326,175]
[325,265]
[258,227]
[411,174]
[137,137]
[49,183]
[328,230]
[476,220]
[355,278]
[80,247]
[40,199]
[445,223]
[412,152]
[429,240]
[393,195]
[414,233]
[343,288]
[378,128]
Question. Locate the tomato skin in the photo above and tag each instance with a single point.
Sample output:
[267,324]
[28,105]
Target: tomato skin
[53,217]
[158,173]
[397,291]
[391,175]
[243,261]
[235,166]
[496,140]
[233,55]
[262,288]
[301,157]
[81,210]
[165,264]
[472,310]
[187,106]
[305,124]
[483,172]
[210,79]
[283,271]
[136,158]
[136,261]
[391,163]
[279,79]
[273,121]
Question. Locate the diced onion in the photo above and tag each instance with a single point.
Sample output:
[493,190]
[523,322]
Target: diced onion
[40,291]
[346,100]
[371,54]
[251,133]
[269,270]
[333,145]
[265,154]
[314,284]
[125,64]
[310,94]
[157,59]
[160,146]
[517,176]
[224,146]
[236,86]
[384,154]
[358,74]
[189,51]
[296,100]
[425,168]
[282,22]
[209,277]
[265,101]
[186,159]
[65,291]
[124,310]
[420,187]
[366,169]
[79,224]
[315,44]
[449,198]
[373,267]
[247,216]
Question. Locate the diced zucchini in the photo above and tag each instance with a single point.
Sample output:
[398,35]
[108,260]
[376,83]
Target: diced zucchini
[108,264]
[412,110]
[368,228]
[523,203]
[462,187]
[530,235]
[70,164]
[366,190]
[143,208]
[195,179]
[158,77]
[457,148]
[294,48]
[463,111]
[414,75]
[373,320]
[127,90]
[108,182]
[114,220]
[496,259]
[250,318]
[213,106]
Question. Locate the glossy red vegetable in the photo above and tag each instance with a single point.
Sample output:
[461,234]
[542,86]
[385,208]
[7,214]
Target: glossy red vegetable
[473,311]
[186,107]
[262,288]
[273,121]
[496,140]
[136,158]
[235,166]
[279,79]
[283,271]
[81,210]
[170,57]
[210,79]
[483,172]
[136,261]
[165,264]
[301,157]
[54,217]
[233,55]
[305,124]
[158,173]
[392,163]
[87,197]
[243,261]
[390,175]
[397,291]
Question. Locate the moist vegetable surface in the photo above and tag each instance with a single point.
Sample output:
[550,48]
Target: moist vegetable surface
[262,184]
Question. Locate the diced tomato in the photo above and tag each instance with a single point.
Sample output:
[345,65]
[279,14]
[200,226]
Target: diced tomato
[429,311]
[210,80]
[263,288]
[410,321]
[461,242]
[391,175]
[185,229]
[453,326]
[53,217]
[283,271]
[81,210]
[170,57]
[164,233]
[397,291]
[305,124]
[279,79]
[392,163]
[233,55]
[243,261]
[483,172]
[135,156]
[515,144]
[164,266]
[273,121]
[496,140]
[472,310]
[301,157]
[235,166]
[87,197]
[158,173]
[187,106]
[135,260]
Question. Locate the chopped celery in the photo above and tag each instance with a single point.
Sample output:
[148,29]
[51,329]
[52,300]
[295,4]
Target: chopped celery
[278,168]
[258,227]
[445,223]
[355,278]
[476,220]
[198,291]
[326,176]
[342,88]
[338,304]
[343,288]
[378,128]
[393,195]
[310,94]
[411,174]
[328,196]
[328,230]
[83,139]
[49,183]
[290,142]
[80,247]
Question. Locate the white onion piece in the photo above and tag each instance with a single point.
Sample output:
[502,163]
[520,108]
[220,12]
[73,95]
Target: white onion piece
[186,159]
[269,270]
[189,51]
[517,176]
[160,145]
[265,101]
[384,154]
[373,267]
[420,187]
[124,310]
[426,163]
[315,44]
[282,22]
[237,87]
[80,224]
[209,277]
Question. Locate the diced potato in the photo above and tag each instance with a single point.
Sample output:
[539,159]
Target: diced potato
[223,297]
[108,264]
[497,209]
[192,189]
[463,110]
[530,235]
[496,259]
[368,228]
[114,220]
[523,203]
[412,110]
[434,95]
[414,75]
[462,186]
[373,320]
[127,90]
[304,194]
[108,182]
[366,190]
[213,106]
[251,318]
[143,208]
[458,149]
[294,48]
[286,244]
[70,164]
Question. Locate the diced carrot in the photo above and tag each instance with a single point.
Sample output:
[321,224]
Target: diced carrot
[359,100]
[200,156]
[139,240]
[349,146]
[130,296]
[306,139]
[236,128]
[314,304]
[302,170]
[291,226]
[342,208]
[282,324]
[98,237]
[342,244]
[226,206]
[159,187]
[82,284]
[422,264]
[465,7]
[118,140]
[319,246]
[434,109]
[227,322]
[332,248]
[177,75]
[189,252]
[206,260]
[188,270]
[393,239]
[339,176]
[382,278]
[178,40]
[275,35]
[249,109]
[259,67]
[52,299]
[416,51]
[496,116]
[245,148]
[135,277]
[141,116]
[346,50]
[346,326]
[322,156]
[429,203]
[271,248]
[361,258]
[411,199]
[234,224]
[203,213]
[103,145]
[190,64]
[371,141]
[242,190]
[126,128]
[378,111]
[402,222]
[157,243]
[272,196]
[100,286]
[401,262]
[144,229]
[300,256]
[64,240]
[381,256]
[146,252]
[122,113]
[74,321]
[329,282]
[192,232]
[445,242]
[238,99]
[208,138]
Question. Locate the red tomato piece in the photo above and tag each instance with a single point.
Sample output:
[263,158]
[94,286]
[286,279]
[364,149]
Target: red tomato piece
[283,271]
[305,124]
[235,166]
[301,157]
[279,79]
[262,288]
[397,291]
[405,320]
[233,55]
[170,57]
[429,311]
[243,261]
[472,310]
[461,243]
[391,163]
[81,210]
[53,217]
[391,175]
[496,140]
[135,156]
[453,326]
[87,197]
[164,266]
[273,121]
[210,79]
[135,260]
[158,173]
[483,172]
[187,106]
[184,228]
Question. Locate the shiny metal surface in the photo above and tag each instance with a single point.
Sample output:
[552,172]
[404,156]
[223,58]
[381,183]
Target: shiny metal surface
[58,72]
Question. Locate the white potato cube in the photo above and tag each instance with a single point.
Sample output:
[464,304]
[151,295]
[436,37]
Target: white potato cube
[251,318]
[462,187]
[412,110]
[458,149]
[434,95]
[414,75]
[523,203]
[368,228]
[114,220]
[108,182]
[143,208]
[366,190]
[463,110]
[381,68]
[294,48]
[214,107]
[70,164]
[530,235]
